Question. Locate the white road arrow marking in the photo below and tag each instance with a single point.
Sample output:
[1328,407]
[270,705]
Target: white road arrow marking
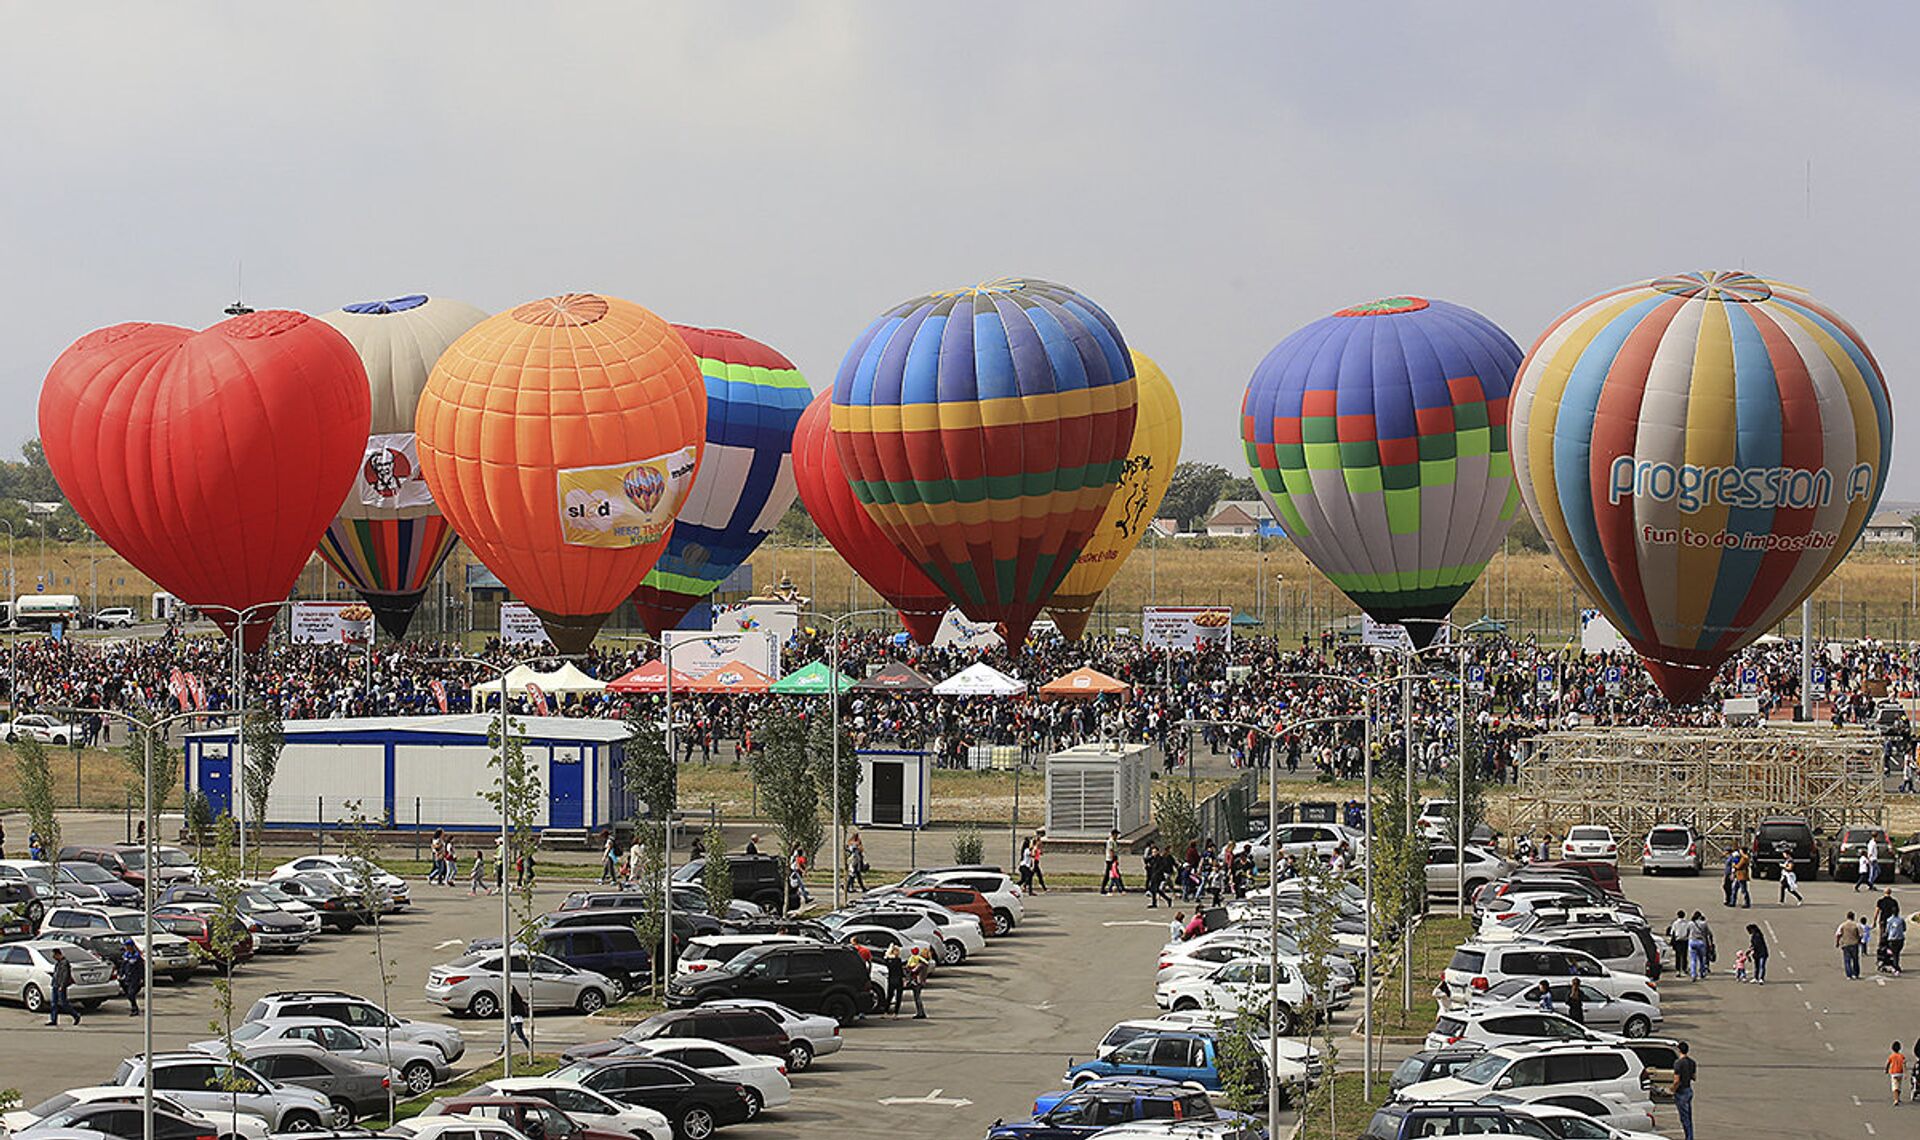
[449,942]
[933,1097]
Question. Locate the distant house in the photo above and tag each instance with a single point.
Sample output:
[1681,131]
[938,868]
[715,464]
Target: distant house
[1164,527]
[1243,518]
[1889,527]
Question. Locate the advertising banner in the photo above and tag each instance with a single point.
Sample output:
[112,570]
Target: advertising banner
[626,504]
[1185,627]
[519,626]
[696,653]
[781,619]
[390,473]
[1393,635]
[331,623]
[958,632]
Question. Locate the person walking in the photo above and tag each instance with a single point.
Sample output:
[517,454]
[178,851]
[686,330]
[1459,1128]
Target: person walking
[1039,874]
[609,859]
[896,979]
[1726,877]
[62,990]
[1699,945]
[917,980]
[1742,872]
[856,861]
[1897,1070]
[1757,951]
[1026,865]
[131,971]
[517,1020]
[1885,907]
[1677,941]
[1848,937]
[1862,867]
[1110,875]
[1684,1072]
[1150,871]
[1789,879]
[1872,857]
[1892,942]
[477,880]
[1177,927]
[1576,1001]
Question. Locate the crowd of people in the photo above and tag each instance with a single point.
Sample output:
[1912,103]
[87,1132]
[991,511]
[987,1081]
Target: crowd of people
[1225,699]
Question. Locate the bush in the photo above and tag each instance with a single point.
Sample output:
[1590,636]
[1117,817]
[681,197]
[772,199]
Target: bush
[967,845]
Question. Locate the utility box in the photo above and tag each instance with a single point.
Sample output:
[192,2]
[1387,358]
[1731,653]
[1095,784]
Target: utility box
[1095,788]
[1740,712]
[894,790]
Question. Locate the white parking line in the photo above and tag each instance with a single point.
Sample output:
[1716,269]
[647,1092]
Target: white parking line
[1791,970]
[1808,1004]
[1817,1025]
[1868,1126]
[1829,1045]
[1768,923]
[1856,1102]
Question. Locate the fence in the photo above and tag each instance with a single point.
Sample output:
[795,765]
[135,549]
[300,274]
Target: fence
[1223,816]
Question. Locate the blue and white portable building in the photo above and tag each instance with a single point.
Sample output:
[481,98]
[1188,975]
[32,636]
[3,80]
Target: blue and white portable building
[426,771]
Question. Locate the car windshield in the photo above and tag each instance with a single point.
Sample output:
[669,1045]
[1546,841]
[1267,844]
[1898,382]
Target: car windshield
[85,873]
[249,1031]
[173,857]
[257,900]
[134,859]
[51,1105]
[128,923]
[39,871]
[1483,1071]
[1588,833]
[1409,1071]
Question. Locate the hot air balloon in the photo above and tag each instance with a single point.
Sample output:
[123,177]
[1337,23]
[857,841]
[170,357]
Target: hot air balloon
[1143,483]
[560,438]
[212,460]
[389,538]
[754,399]
[829,500]
[1701,451]
[984,431]
[1378,435]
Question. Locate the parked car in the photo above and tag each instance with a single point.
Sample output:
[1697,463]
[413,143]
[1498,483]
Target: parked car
[809,1035]
[1622,949]
[1404,1120]
[270,894]
[420,1066]
[26,974]
[686,924]
[115,617]
[1433,1062]
[1589,841]
[530,1116]
[1203,954]
[206,929]
[1187,1055]
[1002,894]
[828,979]
[266,926]
[1501,1022]
[1097,1105]
[1594,1068]
[1670,847]
[1479,867]
[354,1087]
[748,1029]
[357,1013]
[128,863]
[1843,855]
[1300,840]
[339,908]
[226,1125]
[1602,873]
[1237,983]
[105,929]
[765,1077]
[710,951]
[1631,1011]
[1434,821]
[1789,834]
[594,1109]
[960,900]
[392,889]
[41,728]
[472,984]
[210,1083]
[1575,1116]
[452,1128]
[695,1103]
[119,1120]
[1477,966]
[758,879]
[90,882]
[25,900]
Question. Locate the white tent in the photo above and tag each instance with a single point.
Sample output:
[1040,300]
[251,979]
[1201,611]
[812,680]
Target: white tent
[980,680]
[567,680]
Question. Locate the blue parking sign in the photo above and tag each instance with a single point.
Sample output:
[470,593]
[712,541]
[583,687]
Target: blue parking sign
[1477,676]
[1544,676]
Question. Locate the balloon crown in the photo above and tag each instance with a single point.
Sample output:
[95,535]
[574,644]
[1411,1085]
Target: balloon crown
[997,285]
[395,305]
[265,323]
[566,309]
[1716,285]
[1385,306]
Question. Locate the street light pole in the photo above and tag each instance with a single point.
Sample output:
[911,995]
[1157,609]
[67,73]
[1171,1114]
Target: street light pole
[833,684]
[237,781]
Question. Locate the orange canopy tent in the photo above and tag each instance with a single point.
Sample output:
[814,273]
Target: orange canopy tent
[733,677]
[1084,682]
[649,678]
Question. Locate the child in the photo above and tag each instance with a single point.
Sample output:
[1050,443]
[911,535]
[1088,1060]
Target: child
[478,881]
[1896,1071]
[1740,965]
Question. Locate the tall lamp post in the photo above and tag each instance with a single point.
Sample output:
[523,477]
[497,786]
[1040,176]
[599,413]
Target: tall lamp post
[13,622]
[149,728]
[833,667]
[238,781]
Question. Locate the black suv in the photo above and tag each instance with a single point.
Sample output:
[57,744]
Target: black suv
[830,979]
[758,879]
[686,925]
[1797,836]
[1405,1121]
[692,1101]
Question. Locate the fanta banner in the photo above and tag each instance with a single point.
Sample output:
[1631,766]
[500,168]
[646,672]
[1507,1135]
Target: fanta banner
[626,504]
[332,623]
[390,473]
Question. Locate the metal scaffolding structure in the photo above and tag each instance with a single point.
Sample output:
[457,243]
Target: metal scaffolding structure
[1723,781]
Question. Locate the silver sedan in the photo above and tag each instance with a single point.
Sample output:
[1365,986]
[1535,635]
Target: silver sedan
[471,984]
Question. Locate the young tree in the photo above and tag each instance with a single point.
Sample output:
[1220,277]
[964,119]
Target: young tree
[650,883]
[226,932]
[967,846]
[820,740]
[1174,817]
[789,792]
[1315,934]
[36,793]
[1399,861]
[265,737]
[650,774]
[716,874]
[357,841]
[517,794]
[199,819]
[166,767]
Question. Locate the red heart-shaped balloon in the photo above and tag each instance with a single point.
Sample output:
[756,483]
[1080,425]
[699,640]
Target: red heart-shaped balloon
[214,460]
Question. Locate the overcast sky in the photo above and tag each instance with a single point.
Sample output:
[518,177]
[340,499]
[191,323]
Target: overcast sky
[1215,175]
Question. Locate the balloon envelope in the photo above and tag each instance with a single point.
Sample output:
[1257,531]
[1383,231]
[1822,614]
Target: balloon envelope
[984,430]
[754,399]
[1700,450]
[844,523]
[1144,479]
[389,538]
[560,438]
[1378,435]
[210,460]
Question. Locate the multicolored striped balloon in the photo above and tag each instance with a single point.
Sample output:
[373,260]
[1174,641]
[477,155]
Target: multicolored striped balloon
[984,431]
[754,398]
[1701,450]
[1378,435]
[389,538]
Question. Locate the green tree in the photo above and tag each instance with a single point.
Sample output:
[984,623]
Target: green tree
[166,767]
[967,846]
[651,775]
[1174,817]
[1319,903]
[820,741]
[518,795]
[1242,1045]
[265,737]
[37,794]
[1399,859]
[226,933]
[199,820]
[786,774]
[1241,490]
[650,884]
[716,874]
[357,841]
[1194,490]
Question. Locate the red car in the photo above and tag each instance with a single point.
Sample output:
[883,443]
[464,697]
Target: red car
[1602,874]
[961,900]
[197,927]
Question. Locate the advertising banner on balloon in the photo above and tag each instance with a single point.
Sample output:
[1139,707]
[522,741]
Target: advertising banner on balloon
[696,654]
[331,623]
[390,473]
[1598,635]
[519,625]
[624,504]
[1185,627]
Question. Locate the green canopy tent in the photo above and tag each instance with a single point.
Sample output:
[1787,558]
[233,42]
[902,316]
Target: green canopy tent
[814,679]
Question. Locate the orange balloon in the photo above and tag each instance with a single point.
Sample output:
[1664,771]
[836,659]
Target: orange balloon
[560,438]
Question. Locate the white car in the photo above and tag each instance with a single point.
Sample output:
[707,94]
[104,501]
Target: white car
[115,617]
[959,935]
[420,1066]
[1320,840]
[1218,947]
[462,1127]
[1491,1025]
[586,1107]
[1609,1072]
[765,1078]
[41,728]
[809,1035]
[1431,823]
[228,1125]
[877,938]
[269,893]
[1590,841]
[345,870]
[1240,982]
[1002,894]
[26,974]
[1576,1116]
